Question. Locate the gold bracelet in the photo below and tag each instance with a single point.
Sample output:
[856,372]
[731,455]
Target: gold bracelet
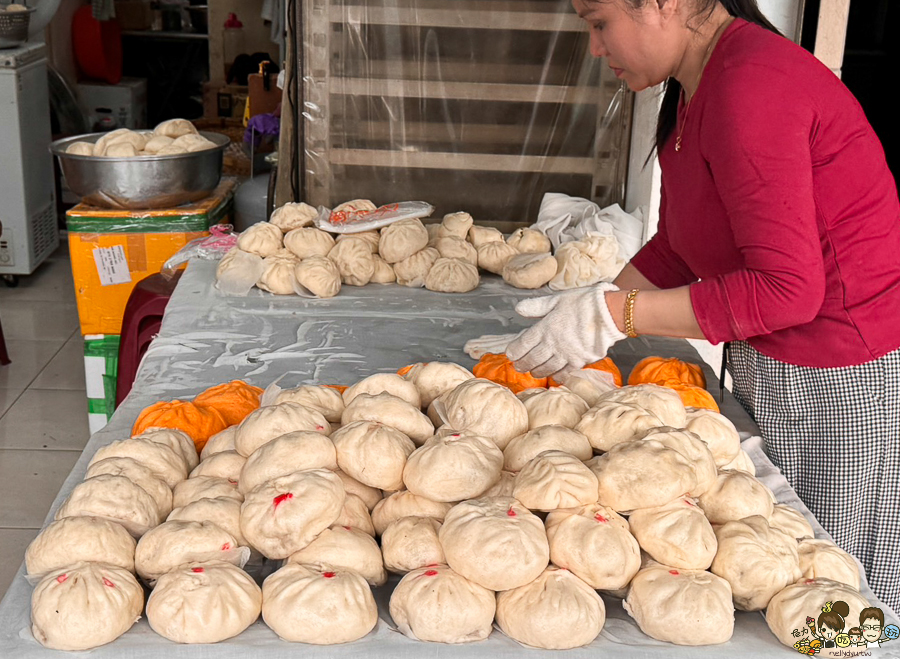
[629,313]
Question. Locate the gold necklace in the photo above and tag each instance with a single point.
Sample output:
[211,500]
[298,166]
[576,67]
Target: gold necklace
[706,56]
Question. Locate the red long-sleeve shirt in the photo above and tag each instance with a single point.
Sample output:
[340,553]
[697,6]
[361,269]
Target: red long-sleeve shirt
[779,209]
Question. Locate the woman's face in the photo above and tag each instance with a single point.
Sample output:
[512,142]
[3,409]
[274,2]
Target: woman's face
[639,44]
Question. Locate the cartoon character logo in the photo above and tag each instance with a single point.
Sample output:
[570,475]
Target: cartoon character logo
[871,623]
[828,630]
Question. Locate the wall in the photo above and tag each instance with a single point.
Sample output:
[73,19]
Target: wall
[256,33]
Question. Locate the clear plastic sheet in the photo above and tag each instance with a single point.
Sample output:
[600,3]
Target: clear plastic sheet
[474,105]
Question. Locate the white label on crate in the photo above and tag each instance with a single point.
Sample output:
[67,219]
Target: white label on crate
[112,265]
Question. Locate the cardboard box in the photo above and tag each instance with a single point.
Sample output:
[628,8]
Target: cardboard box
[112,250]
[115,106]
[224,101]
[101,361]
[134,14]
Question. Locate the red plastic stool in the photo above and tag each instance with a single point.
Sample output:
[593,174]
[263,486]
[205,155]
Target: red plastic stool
[141,322]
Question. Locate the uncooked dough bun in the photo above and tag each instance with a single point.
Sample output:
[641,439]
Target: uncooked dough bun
[114,498]
[484,408]
[494,255]
[662,599]
[479,235]
[353,257]
[736,495]
[554,479]
[159,459]
[717,431]
[76,539]
[120,150]
[326,400]
[529,241]
[227,465]
[308,241]
[451,247]
[757,560]
[175,128]
[319,275]
[453,466]
[355,205]
[691,447]
[577,267]
[452,275]
[204,487]
[642,474]
[406,504]
[204,602]
[610,422]
[285,514]
[438,605]
[595,543]
[156,143]
[412,271]
[84,606]
[391,411]
[555,407]
[345,548]
[193,143]
[556,611]
[293,451]
[384,382]
[177,440]
[137,474]
[224,512]
[497,542]
[791,521]
[384,272]
[409,543]
[824,559]
[355,514]
[373,453]
[262,239]
[663,402]
[402,239]
[435,378]
[319,605]
[456,225]
[503,487]
[80,149]
[676,534]
[789,608]
[267,423]
[529,270]
[175,543]
[293,216]
[522,449]
[371,238]
[221,441]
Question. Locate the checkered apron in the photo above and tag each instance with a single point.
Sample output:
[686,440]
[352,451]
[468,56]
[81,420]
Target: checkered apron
[835,434]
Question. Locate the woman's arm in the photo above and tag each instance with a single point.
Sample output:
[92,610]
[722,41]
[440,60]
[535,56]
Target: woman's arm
[631,277]
[656,312]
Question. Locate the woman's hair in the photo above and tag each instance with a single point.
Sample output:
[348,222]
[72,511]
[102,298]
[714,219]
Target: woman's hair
[668,111]
[834,617]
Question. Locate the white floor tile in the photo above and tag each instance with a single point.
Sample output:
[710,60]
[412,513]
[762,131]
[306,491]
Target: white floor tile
[51,282]
[35,320]
[28,359]
[46,419]
[13,543]
[66,369]
[29,482]
[7,398]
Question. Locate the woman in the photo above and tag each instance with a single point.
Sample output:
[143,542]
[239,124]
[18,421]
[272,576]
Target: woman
[780,233]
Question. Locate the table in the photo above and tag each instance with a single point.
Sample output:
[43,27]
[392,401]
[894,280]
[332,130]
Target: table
[207,339]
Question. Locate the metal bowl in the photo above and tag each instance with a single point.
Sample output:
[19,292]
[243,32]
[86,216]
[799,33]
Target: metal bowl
[141,182]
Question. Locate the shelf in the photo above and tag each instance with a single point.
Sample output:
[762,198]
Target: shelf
[475,91]
[463,161]
[486,18]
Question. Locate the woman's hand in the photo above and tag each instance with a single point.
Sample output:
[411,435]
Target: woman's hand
[576,328]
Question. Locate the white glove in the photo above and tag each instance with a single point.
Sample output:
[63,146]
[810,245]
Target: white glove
[575,329]
[494,344]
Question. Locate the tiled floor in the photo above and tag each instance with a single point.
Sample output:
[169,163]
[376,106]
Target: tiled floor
[43,406]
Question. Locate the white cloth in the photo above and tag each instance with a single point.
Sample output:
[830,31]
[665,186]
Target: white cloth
[576,328]
[563,218]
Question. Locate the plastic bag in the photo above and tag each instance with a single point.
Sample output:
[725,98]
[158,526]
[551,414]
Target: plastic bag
[219,242]
[359,221]
[239,278]
[563,219]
